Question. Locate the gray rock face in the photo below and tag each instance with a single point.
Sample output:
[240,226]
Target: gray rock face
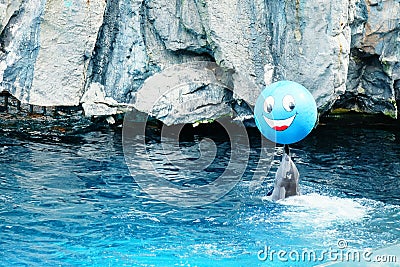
[7,9]
[45,50]
[311,45]
[193,92]
[119,63]
[68,31]
[100,53]
[375,59]
[19,47]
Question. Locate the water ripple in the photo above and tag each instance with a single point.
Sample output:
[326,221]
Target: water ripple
[75,204]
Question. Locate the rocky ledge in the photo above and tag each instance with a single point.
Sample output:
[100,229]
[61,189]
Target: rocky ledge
[99,55]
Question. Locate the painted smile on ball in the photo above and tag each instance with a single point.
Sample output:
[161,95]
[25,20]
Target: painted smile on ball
[280,125]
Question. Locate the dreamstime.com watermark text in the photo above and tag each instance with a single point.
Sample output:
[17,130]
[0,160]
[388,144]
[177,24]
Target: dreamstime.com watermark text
[340,253]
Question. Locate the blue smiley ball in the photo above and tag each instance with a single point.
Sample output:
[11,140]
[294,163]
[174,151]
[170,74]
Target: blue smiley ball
[285,112]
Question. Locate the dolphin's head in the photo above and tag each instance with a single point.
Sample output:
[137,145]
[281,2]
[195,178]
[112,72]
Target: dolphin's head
[289,169]
[286,179]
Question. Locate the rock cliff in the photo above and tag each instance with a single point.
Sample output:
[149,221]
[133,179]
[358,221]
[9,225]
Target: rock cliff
[103,55]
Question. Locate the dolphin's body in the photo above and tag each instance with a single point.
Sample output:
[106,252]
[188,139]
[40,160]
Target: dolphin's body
[286,179]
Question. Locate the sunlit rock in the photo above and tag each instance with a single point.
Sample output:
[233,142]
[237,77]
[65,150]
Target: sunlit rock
[54,53]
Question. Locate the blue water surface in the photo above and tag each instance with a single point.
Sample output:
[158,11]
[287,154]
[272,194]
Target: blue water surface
[73,202]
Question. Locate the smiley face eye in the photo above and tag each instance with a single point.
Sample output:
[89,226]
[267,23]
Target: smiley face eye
[269,104]
[288,103]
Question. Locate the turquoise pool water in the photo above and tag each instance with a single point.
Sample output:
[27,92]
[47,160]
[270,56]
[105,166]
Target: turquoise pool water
[74,203]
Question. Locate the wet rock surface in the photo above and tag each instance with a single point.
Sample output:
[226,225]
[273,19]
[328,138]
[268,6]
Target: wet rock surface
[54,124]
[374,60]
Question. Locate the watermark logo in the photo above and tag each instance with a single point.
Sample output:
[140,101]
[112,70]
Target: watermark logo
[339,253]
[164,96]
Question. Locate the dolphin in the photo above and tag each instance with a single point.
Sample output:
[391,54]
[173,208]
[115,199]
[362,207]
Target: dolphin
[286,179]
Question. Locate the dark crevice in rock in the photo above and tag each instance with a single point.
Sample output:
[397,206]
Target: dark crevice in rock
[360,18]
[202,55]
[196,89]
[6,34]
[179,38]
[105,42]
[275,14]
[369,88]
[397,95]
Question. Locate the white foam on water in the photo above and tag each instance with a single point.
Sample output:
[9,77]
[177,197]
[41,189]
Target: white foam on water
[321,210]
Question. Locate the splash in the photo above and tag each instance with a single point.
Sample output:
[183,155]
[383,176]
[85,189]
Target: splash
[322,210]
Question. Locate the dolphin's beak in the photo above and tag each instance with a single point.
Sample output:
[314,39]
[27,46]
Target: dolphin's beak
[287,157]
